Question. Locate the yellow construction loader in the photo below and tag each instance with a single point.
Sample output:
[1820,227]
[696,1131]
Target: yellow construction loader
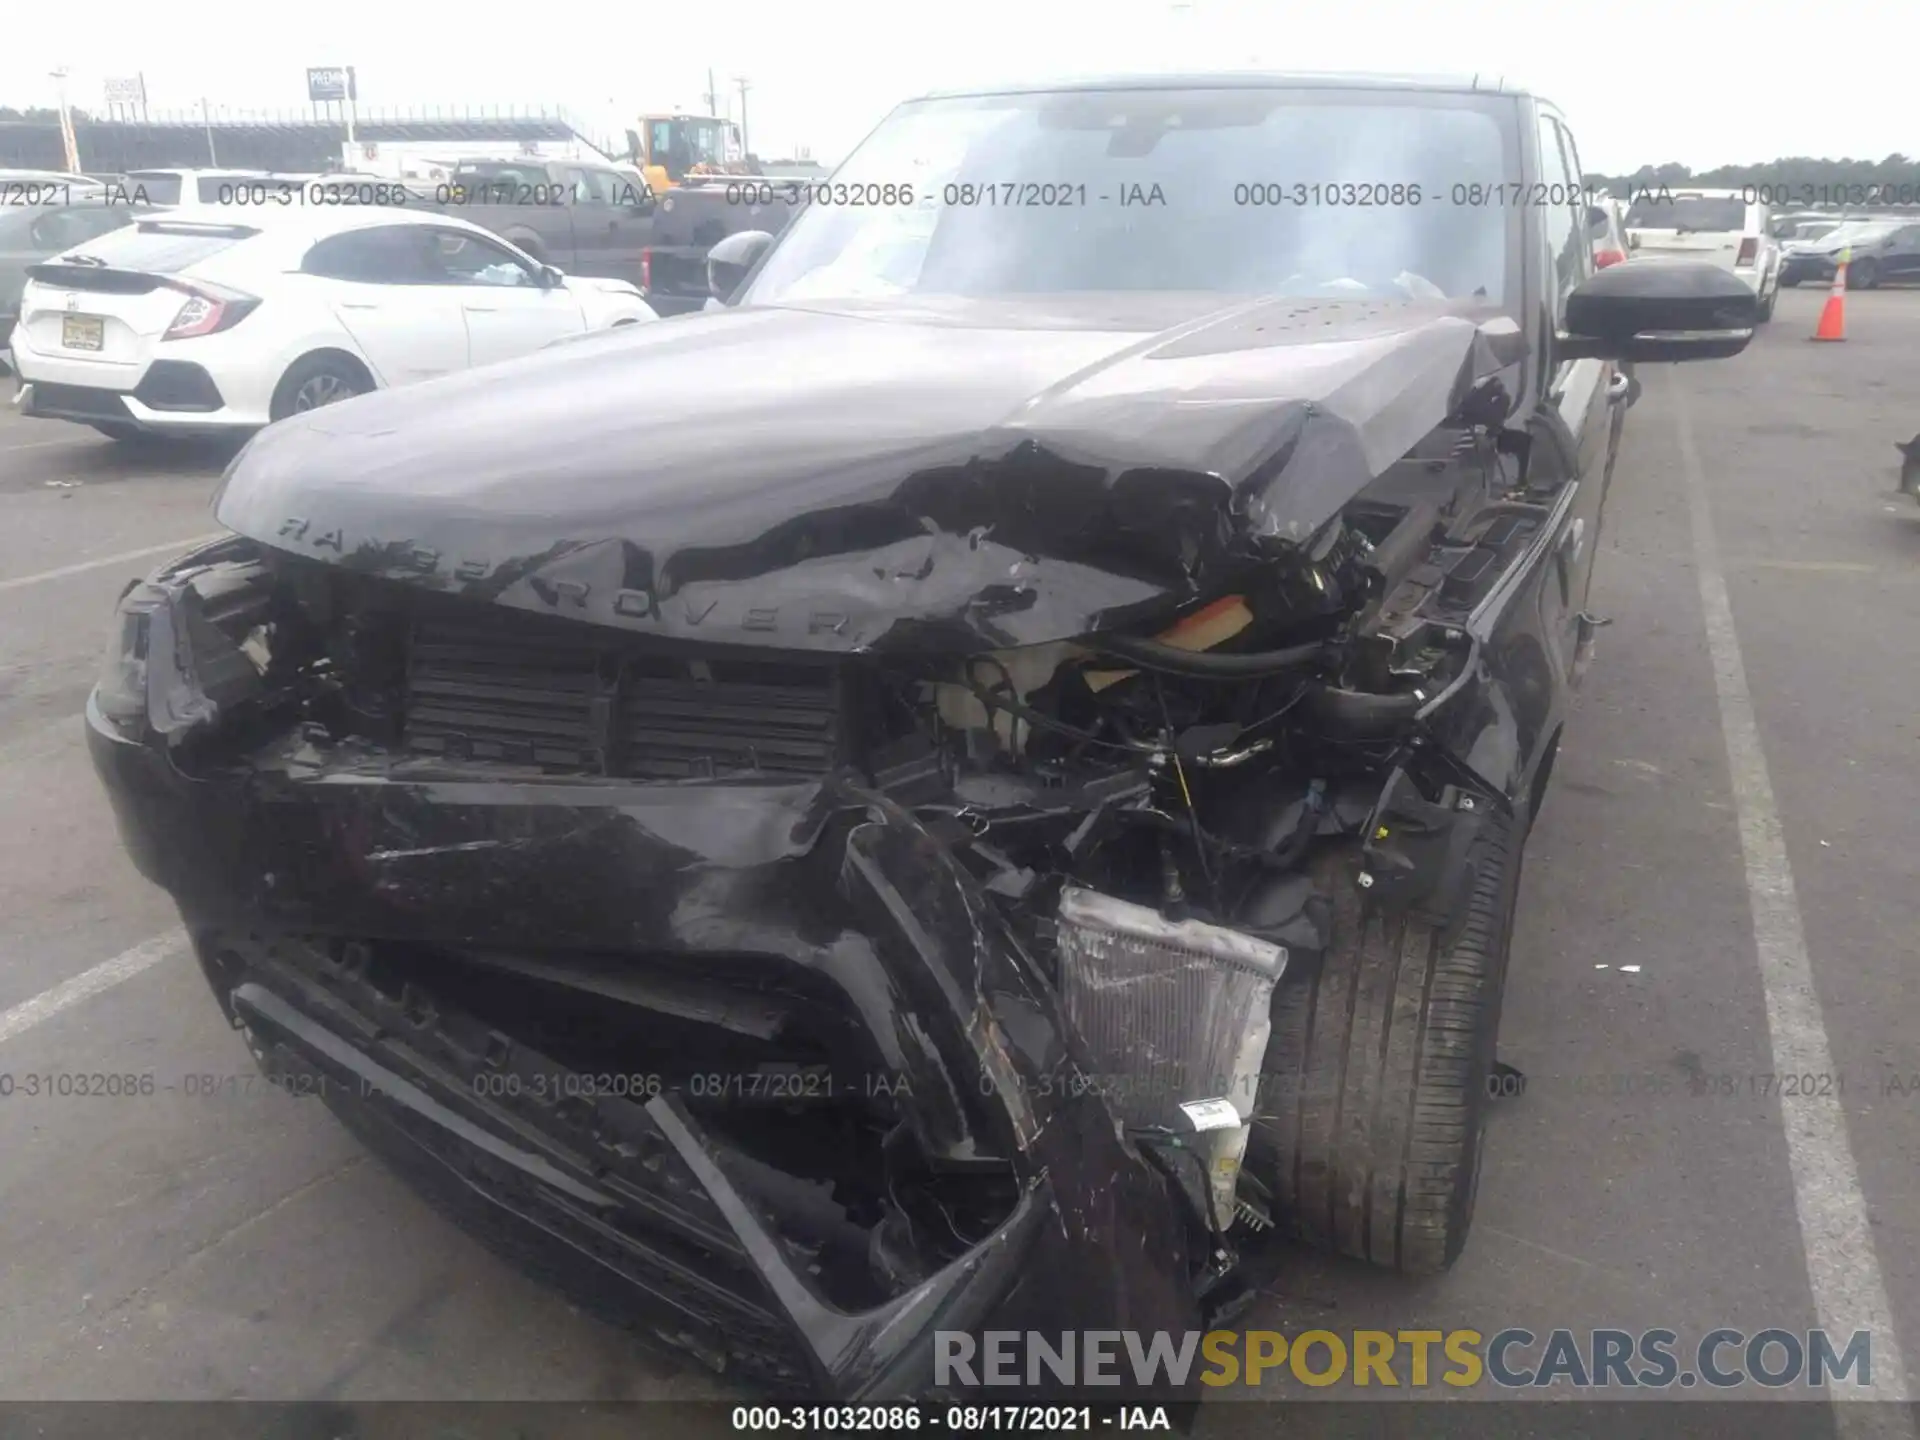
[670,149]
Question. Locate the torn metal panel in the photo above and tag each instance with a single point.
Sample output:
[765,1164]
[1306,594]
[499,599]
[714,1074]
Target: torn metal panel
[963,478]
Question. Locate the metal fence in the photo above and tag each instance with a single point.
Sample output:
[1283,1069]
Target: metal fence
[307,139]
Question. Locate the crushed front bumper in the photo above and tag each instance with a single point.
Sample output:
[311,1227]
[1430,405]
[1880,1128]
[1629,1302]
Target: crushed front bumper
[1798,269]
[286,869]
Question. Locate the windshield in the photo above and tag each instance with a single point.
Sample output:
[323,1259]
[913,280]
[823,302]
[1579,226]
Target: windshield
[1318,192]
[1857,231]
[1688,212]
[1814,229]
[707,143]
[161,187]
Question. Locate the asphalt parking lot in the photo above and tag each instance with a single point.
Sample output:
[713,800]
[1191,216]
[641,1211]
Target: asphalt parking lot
[1737,810]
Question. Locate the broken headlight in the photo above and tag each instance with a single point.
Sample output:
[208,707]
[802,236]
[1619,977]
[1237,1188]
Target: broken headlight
[168,668]
[120,694]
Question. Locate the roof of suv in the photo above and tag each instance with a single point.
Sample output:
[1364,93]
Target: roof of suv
[1246,80]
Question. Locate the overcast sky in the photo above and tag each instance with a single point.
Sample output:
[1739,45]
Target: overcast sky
[1703,82]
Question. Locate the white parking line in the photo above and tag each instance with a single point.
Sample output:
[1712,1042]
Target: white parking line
[22,581]
[88,983]
[1843,1272]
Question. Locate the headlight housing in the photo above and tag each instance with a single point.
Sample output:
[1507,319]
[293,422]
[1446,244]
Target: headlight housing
[168,669]
[120,694]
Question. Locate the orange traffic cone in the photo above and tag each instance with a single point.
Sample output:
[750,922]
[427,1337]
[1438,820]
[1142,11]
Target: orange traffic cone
[1833,315]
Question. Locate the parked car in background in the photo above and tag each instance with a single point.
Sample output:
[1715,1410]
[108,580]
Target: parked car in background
[1720,227]
[697,215]
[1801,227]
[1876,250]
[185,189]
[589,219]
[179,325]
[606,219]
[30,233]
[1607,220]
[16,184]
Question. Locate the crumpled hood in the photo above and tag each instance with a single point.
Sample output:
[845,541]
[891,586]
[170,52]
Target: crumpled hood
[862,476]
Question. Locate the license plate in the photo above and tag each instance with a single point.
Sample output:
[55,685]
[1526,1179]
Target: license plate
[82,332]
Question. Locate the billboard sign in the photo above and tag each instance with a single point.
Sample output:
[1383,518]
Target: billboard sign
[330,83]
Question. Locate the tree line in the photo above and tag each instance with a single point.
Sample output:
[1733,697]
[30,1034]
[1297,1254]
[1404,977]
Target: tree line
[1895,175]
[45,113]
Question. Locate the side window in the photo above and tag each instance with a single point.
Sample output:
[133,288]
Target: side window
[103,219]
[590,187]
[210,187]
[1567,249]
[464,259]
[384,255]
[160,187]
[61,230]
[624,190]
[1577,201]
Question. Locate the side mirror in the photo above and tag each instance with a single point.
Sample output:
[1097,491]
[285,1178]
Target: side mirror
[731,258]
[550,277]
[1597,218]
[1679,310]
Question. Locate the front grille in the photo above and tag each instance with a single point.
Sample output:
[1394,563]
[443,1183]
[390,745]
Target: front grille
[519,689]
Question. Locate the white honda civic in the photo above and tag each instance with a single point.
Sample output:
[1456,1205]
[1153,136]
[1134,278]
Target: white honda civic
[191,324]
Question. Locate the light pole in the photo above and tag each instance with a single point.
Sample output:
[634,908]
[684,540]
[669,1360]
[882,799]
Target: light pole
[741,84]
[69,142]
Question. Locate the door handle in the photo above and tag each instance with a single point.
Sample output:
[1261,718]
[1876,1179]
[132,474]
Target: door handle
[351,305]
[480,309]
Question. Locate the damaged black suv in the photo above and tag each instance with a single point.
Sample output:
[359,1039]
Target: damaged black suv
[980,784]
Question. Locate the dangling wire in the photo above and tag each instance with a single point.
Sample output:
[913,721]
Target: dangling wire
[1186,793]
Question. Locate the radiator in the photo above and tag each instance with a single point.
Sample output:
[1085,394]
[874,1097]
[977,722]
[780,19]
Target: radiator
[1175,1015]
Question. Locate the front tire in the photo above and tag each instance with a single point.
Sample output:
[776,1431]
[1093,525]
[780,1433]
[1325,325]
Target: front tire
[1374,1092]
[1766,306]
[1863,275]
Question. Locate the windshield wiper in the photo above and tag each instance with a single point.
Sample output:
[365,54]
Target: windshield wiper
[83,260]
